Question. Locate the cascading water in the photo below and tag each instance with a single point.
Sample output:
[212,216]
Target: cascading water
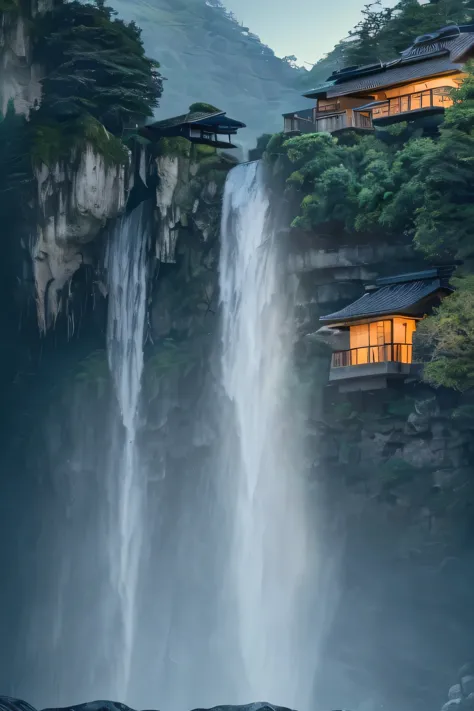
[270,556]
[127,272]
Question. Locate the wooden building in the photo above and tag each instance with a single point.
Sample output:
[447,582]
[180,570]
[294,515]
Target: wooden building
[416,85]
[210,129]
[376,331]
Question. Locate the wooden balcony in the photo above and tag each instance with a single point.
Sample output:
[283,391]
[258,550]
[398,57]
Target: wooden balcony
[401,108]
[372,367]
[388,352]
[309,121]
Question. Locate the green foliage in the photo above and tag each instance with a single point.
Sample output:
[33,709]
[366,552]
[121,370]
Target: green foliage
[344,184]
[443,221]
[96,65]
[10,6]
[449,335]
[98,82]
[202,107]
[408,185]
[173,147]
[54,141]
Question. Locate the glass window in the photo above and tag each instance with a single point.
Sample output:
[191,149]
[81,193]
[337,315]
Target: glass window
[415,102]
[403,329]
[426,99]
[395,105]
[359,336]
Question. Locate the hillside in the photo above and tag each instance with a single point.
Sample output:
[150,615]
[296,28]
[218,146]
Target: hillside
[206,55]
[384,32]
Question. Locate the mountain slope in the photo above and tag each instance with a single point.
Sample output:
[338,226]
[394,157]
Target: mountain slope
[384,32]
[206,55]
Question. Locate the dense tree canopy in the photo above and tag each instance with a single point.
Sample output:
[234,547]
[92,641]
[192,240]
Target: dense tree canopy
[449,335]
[400,182]
[96,65]
[402,185]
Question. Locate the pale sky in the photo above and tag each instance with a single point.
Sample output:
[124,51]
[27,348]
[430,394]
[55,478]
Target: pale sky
[307,32]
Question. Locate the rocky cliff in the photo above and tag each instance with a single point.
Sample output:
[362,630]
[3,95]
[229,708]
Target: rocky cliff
[396,465]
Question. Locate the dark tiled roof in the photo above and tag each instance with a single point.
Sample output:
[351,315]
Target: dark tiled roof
[437,56]
[456,46]
[214,119]
[191,117]
[396,73]
[393,299]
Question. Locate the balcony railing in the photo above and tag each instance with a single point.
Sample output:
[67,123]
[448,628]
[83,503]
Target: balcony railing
[303,123]
[439,97]
[397,352]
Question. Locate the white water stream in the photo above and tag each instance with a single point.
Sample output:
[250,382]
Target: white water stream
[269,561]
[126,483]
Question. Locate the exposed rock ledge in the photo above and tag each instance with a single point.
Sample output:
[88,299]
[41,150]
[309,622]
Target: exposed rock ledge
[75,200]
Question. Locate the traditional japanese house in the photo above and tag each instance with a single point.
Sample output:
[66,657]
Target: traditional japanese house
[376,331]
[210,129]
[414,86]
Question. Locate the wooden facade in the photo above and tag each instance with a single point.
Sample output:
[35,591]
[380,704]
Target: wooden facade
[377,330]
[418,84]
[210,129]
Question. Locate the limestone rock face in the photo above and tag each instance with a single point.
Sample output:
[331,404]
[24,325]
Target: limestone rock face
[170,171]
[75,200]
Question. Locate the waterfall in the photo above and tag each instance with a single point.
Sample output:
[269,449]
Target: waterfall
[125,332]
[270,559]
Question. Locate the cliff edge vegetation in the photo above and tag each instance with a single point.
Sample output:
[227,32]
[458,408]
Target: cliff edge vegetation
[405,186]
[205,52]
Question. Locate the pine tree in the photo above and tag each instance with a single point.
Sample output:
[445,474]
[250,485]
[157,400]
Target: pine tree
[96,65]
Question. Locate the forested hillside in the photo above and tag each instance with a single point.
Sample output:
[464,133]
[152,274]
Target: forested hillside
[206,55]
[383,32]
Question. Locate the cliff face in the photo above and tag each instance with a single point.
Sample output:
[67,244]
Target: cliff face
[75,200]
[396,465]
[403,453]
[20,76]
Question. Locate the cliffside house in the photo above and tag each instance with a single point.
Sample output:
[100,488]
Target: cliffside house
[376,331]
[210,129]
[416,85]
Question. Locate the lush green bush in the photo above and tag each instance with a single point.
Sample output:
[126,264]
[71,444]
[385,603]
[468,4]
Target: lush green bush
[449,334]
[408,186]
[423,187]
[54,140]
[10,6]
[203,107]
